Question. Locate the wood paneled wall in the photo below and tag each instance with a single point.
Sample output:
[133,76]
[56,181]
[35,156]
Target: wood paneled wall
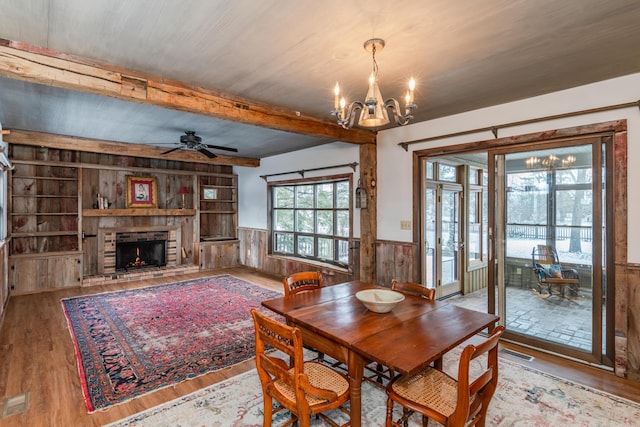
[397,260]
[627,321]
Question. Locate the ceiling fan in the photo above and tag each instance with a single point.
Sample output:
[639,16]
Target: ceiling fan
[191,141]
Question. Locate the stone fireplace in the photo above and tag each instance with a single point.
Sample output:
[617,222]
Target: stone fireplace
[133,249]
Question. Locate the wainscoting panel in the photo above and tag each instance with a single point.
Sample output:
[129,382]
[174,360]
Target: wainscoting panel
[396,260]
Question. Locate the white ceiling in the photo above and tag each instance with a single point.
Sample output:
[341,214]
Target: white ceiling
[464,54]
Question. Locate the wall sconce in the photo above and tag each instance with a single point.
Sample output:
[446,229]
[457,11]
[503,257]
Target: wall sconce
[183,196]
[361,196]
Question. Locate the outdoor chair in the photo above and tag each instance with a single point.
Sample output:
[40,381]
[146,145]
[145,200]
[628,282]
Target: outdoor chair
[377,373]
[436,395]
[551,277]
[302,388]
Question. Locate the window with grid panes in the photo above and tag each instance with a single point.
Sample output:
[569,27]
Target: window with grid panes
[312,219]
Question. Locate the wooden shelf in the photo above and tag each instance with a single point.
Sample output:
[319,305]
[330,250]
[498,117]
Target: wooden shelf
[44,234]
[138,212]
[218,239]
[218,212]
[46,214]
[54,178]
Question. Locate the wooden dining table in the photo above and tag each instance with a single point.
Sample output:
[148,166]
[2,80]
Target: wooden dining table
[416,333]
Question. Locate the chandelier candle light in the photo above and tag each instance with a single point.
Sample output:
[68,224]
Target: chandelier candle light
[374,112]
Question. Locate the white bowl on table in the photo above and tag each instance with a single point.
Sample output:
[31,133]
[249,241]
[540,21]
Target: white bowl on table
[379,300]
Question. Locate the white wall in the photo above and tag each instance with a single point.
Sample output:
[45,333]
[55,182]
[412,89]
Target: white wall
[252,190]
[395,165]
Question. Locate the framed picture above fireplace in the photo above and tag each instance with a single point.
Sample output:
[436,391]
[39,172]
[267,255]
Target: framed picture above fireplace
[142,192]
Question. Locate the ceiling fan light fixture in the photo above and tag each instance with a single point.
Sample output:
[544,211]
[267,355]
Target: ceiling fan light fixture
[374,112]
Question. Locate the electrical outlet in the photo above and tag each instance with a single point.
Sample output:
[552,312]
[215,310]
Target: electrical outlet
[405,225]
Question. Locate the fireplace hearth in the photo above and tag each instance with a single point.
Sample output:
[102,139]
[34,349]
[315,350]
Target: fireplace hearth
[139,250]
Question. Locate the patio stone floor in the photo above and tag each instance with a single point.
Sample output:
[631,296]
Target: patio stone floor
[561,320]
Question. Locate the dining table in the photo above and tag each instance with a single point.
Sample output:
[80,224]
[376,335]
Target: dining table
[416,333]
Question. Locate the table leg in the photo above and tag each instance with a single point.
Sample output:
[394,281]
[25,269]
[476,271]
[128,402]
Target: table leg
[438,363]
[356,371]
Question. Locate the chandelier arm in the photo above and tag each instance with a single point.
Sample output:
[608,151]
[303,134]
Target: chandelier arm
[351,113]
[393,107]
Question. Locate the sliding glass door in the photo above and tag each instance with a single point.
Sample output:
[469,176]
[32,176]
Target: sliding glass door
[550,250]
[520,231]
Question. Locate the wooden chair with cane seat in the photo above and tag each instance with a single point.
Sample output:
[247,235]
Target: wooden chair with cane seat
[451,402]
[303,388]
[303,281]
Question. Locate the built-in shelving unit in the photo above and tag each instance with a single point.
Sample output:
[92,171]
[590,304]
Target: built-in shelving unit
[57,233]
[44,209]
[218,206]
[44,220]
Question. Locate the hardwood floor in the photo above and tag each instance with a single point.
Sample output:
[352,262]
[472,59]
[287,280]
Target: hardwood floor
[37,356]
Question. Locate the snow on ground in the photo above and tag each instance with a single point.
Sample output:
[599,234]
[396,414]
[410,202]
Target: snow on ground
[522,248]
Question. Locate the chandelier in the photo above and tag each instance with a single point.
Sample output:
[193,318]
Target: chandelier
[373,112]
[550,162]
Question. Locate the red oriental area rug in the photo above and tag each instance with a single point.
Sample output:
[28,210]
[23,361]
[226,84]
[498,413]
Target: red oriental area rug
[135,341]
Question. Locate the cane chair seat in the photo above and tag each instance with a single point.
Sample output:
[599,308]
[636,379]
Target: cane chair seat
[430,388]
[320,376]
[302,388]
[452,402]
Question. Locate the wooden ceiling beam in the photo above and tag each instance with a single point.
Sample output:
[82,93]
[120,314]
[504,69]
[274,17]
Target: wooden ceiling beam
[39,65]
[63,142]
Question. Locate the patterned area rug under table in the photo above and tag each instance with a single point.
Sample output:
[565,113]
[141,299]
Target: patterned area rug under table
[524,398]
[129,343]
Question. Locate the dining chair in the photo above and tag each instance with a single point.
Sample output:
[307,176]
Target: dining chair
[302,388]
[413,289]
[453,403]
[377,373]
[301,282]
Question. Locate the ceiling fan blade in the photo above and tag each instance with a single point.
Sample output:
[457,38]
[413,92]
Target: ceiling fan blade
[170,151]
[207,153]
[218,147]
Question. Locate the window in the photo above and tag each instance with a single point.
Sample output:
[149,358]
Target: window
[477,216]
[312,219]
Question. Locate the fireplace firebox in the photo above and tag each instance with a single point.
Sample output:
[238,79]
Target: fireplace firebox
[140,250]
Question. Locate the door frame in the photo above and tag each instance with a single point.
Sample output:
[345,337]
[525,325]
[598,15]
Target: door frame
[456,286]
[497,222]
[616,175]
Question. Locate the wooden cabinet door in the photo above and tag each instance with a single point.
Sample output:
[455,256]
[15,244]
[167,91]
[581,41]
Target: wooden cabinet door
[219,254]
[36,274]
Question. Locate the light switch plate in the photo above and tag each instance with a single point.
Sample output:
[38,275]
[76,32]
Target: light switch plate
[405,225]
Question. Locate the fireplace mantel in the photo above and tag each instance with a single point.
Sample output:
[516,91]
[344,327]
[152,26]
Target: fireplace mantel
[138,212]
